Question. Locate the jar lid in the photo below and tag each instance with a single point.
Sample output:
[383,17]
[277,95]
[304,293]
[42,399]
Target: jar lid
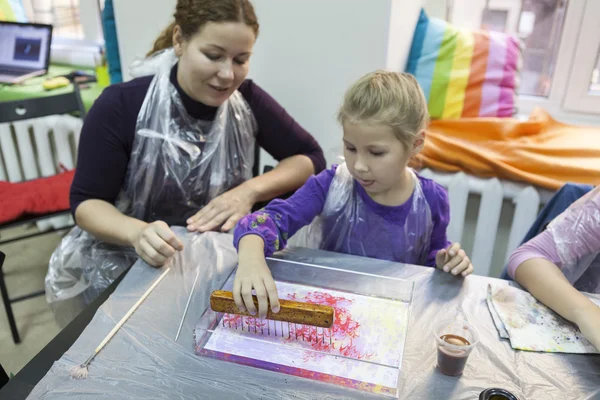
[497,394]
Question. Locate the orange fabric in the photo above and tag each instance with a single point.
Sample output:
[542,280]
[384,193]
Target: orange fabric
[540,151]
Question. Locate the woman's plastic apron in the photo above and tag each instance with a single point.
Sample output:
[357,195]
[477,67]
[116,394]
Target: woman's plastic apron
[348,225]
[177,165]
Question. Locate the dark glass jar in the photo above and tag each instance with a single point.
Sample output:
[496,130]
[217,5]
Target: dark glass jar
[497,394]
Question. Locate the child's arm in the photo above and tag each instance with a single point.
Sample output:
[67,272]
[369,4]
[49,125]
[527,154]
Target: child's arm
[262,233]
[546,282]
[444,255]
[440,216]
[281,219]
[537,265]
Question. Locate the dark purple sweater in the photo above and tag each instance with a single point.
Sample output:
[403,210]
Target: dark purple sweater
[109,129]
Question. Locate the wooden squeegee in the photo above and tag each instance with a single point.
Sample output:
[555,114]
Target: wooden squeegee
[295,312]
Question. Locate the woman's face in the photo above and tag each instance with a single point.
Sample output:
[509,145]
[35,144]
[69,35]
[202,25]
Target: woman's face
[214,62]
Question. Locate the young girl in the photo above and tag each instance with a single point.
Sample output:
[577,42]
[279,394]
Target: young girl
[372,205]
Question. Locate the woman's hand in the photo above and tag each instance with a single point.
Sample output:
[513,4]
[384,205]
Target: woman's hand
[156,243]
[253,273]
[223,211]
[454,260]
[588,321]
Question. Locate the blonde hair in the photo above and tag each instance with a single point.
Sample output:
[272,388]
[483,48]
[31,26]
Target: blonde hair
[388,98]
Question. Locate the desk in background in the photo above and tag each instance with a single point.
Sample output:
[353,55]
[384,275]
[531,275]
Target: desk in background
[33,87]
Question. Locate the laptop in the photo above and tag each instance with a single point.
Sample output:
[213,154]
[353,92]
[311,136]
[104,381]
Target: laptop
[24,50]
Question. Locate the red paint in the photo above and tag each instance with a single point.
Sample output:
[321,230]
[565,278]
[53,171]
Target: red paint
[343,333]
[345,329]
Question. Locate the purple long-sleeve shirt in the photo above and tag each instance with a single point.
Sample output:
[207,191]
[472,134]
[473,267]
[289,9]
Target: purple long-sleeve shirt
[281,219]
[108,133]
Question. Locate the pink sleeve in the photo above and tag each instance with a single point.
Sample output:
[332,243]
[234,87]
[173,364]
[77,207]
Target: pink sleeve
[541,246]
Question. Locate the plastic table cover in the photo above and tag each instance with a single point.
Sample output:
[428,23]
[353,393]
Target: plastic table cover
[144,361]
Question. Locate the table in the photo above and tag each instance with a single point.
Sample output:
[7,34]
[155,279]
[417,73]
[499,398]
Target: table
[23,383]
[143,361]
[33,87]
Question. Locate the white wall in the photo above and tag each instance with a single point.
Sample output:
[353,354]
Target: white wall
[310,51]
[403,20]
[436,8]
[139,22]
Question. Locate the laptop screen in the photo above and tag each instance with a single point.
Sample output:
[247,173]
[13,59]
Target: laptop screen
[25,46]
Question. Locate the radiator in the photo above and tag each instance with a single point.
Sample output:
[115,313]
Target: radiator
[39,147]
[525,199]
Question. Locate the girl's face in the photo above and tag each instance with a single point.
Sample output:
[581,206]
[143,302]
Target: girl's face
[377,160]
[214,62]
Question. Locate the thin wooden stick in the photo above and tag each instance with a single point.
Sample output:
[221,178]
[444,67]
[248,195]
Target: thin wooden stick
[81,371]
[187,305]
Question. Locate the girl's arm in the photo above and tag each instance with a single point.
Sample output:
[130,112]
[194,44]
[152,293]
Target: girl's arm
[538,264]
[266,231]
[281,219]
[546,282]
[440,216]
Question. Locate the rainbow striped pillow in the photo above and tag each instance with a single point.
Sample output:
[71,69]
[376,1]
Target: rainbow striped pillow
[464,73]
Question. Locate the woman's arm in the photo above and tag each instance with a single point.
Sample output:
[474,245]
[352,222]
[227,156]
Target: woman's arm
[103,155]
[278,133]
[105,222]
[227,209]
[545,281]
[298,153]
[154,242]
[288,175]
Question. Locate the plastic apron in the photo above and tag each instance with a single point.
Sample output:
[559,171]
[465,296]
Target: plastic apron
[576,234]
[347,225]
[177,165]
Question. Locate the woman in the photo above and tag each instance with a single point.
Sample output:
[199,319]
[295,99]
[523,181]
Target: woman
[564,260]
[177,148]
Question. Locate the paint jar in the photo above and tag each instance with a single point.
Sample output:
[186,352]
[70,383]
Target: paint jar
[455,339]
[497,394]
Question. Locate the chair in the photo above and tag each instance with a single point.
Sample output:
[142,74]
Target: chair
[36,137]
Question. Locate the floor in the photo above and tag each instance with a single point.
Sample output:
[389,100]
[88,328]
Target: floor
[25,268]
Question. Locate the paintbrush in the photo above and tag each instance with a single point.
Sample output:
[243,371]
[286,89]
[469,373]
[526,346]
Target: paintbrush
[81,371]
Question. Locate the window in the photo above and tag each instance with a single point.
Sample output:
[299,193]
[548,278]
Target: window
[583,93]
[539,25]
[72,19]
[561,56]
[595,81]
[63,14]
[494,20]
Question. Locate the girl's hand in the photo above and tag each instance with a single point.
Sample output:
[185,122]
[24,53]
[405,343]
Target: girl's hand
[454,260]
[253,273]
